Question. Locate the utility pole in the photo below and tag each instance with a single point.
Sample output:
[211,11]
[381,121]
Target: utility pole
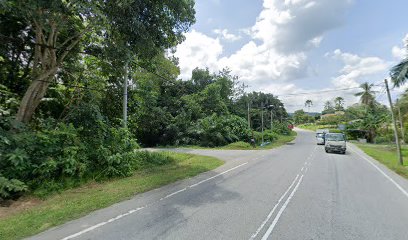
[401,160]
[249,116]
[262,123]
[125,95]
[271,118]
[401,123]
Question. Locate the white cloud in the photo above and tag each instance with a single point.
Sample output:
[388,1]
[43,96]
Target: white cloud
[198,50]
[224,34]
[281,37]
[401,53]
[289,26]
[357,68]
[277,52]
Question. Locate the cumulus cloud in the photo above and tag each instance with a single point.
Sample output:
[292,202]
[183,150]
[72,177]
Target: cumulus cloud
[280,38]
[224,34]
[401,53]
[198,50]
[289,26]
[356,68]
[354,71]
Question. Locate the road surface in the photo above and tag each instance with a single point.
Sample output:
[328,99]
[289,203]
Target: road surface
[293,192]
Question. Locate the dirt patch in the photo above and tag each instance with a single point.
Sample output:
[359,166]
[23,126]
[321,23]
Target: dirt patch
[8,208]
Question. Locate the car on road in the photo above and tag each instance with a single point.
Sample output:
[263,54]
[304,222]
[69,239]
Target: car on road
[335,142]
[320,136]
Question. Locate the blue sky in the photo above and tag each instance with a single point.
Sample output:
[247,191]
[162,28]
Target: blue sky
[293,46]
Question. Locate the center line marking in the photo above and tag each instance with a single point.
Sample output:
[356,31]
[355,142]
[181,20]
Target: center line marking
[275,221]
[273,209]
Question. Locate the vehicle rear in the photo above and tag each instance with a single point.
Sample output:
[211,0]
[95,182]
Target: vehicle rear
[335,142]
[320,138]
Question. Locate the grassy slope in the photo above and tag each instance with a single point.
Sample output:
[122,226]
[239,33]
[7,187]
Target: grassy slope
[78,202]
[387,155]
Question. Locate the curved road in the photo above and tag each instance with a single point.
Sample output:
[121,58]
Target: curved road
[293,192]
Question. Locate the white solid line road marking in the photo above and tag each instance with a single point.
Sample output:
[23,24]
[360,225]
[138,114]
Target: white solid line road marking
[275,221]
[205,180]
[101,224]
[140,208]
[273,210]
[172,194]
[383,173]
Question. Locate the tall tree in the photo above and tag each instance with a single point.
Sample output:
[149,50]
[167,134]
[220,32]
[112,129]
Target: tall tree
[367,95]
[308,104]
[339,103]
[129,29]
[328,108]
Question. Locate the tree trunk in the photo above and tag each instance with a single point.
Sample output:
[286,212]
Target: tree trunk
[32,99]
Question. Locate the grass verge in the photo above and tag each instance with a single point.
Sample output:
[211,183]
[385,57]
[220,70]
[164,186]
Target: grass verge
[387,155]
[78,202]
[282,140]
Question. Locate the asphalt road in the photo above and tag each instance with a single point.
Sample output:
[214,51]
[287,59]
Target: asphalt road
[293,192]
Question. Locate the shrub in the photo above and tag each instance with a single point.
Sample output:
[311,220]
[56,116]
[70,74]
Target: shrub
[217,130]
[268,136]
[58,155]
[11,188]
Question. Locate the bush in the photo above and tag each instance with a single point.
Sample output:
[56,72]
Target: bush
[268,136]
[281,128]
[217,130]
[11,188]
[58,155]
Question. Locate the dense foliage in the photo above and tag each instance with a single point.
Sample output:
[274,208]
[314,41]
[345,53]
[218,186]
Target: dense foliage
[62,69]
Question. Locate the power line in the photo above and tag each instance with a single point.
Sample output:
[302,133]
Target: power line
[322,91]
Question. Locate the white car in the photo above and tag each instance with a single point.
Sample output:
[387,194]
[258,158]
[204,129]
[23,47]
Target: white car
[335,142]
[320,138]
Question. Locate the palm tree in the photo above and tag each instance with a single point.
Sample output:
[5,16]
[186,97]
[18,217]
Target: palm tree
[308,104]
[367,96]
[399,73]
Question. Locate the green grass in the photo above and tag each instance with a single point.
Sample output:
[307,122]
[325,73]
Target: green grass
[314,127]
[74,203]
[387,155]
[282,140]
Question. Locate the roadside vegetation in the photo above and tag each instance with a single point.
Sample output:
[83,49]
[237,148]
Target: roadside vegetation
[278,141]
[387,155]
[74,203]
[63,71]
